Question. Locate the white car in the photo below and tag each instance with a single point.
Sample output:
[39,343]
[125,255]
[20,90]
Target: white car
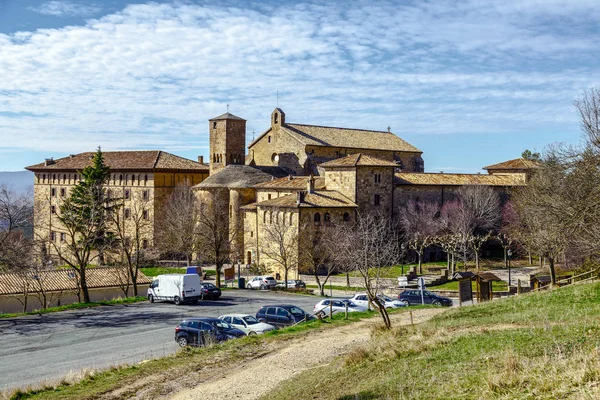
[337,305]
[362,300]
[262,282]
[247,323]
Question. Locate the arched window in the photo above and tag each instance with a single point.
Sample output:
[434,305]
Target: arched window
[346,217]
[120,179]
[133,179]
[145,180]
[53,178]
[270,217]
[317,218]
[327,217]
[44,178]
[64,178]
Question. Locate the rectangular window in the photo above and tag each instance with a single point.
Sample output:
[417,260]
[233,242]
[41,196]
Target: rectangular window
[52,236]
[144,244]
[63,237]
[145,214]
[251,233]
[53,192]
[376,200]
[145,195]
[269,139]
[62,192]
[127,194]
[127,213]
[53,209]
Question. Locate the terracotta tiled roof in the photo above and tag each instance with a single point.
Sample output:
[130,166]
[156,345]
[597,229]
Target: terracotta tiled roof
[241,176]
[410,178]
[148,160]
[291,183]
[517,163]
[346,137]
[320,198]
[63,280]
[227,115]
[358,159]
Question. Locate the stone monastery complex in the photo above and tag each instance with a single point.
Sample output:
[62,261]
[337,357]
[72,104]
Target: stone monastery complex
[292,174]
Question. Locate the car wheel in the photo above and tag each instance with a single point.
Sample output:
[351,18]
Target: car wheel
[262,320]
[182,341]
[436,303]
[262,287]
[248,286]
[405,302]
[177,300]
[251,333]
[150,298]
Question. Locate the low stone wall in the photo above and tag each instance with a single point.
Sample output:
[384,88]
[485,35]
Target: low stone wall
[14,303]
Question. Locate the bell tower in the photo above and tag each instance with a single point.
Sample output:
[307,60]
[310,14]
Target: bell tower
[227,141]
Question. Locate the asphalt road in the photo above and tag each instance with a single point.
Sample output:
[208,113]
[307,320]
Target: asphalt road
[45,348]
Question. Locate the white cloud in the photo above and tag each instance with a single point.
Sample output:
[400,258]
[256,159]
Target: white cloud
[151,75]
[59,8]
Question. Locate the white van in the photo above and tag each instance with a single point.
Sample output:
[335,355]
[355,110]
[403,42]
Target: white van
[179,288]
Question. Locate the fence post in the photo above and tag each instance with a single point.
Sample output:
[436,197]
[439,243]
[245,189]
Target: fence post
[331,309]
[411,319]
[346,310]
[518,286]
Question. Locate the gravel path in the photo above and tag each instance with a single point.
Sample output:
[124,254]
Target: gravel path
[301,354]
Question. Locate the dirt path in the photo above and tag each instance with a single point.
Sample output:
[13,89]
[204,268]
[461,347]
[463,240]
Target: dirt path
[254,378]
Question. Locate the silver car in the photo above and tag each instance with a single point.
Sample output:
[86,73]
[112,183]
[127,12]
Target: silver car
[247,323]
[337,305]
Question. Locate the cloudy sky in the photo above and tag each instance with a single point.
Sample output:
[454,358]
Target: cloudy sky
[469,83]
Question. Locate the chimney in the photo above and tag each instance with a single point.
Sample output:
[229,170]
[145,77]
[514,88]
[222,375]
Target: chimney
[300,197]
[49,161]
[311,184]
[201,159]
[289,177]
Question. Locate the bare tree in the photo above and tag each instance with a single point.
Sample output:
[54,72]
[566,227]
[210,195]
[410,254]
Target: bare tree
[281,242]
[318,251]
[419,224]
[588,107]
[369,247]
[177,223]
[133,228]
[16,215]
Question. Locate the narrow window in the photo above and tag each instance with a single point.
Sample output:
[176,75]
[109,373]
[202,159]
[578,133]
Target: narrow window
[53,209]
[327,217]
[317,218]
[127,213]
[127,194]
[52,236]
[53,192]
[64,178]
[145,180]
[376,200]
[145,214]
[120,179]
[264,217]
[145,195]
[44,178]
[291,218]
[62,192]
[214,125]
[269,196]
[144,244]
[276,117]
[63,237]
[346,217]
[269,137]
[251,233]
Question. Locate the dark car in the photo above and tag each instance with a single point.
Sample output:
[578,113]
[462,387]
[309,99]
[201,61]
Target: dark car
[209,291]
[282,315]
[413,297]
[296,284]
[204,331]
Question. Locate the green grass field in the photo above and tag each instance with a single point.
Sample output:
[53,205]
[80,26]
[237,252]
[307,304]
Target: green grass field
[533,346]
[76,306]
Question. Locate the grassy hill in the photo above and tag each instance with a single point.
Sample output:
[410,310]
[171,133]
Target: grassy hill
[534,346]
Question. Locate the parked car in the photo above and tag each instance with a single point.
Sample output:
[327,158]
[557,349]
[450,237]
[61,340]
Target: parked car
[293,284]
[413,297]
[262,282]
[210,291]
[204,331]
[178,288]
[247,323]
[337,305]
[361,299]
[282,315]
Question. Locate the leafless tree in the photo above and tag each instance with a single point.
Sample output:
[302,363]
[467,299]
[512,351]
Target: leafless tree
[177,222]
[588,107]
[318,251]
[369,247]
[216,232]
[281,243]
[419,224]
[132,227]
[16,217]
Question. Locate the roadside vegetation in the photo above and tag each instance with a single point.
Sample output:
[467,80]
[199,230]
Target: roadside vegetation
[155,377]
[539,345]
[75,306]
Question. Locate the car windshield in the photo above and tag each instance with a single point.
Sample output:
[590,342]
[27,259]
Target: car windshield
[296,311]
[270,278]
[208,285]
[221,325]
[250,320]
[351,304]
[385,298]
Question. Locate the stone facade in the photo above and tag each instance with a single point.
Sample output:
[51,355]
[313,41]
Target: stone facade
[227,141]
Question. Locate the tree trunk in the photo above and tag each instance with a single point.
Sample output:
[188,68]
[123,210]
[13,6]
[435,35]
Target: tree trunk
[477,260]
[383,312]
[541,261]
[218,275]
[83,283]
[530,257]
[347,279]
[285,277]
[420,253]
[552,271]
[505,257]
[321,286]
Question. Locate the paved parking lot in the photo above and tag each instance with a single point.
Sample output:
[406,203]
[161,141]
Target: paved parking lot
[47,347]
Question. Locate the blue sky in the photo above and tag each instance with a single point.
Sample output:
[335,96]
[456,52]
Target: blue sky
[470,83]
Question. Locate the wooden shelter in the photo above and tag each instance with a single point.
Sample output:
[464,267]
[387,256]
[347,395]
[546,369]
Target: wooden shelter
[485,282]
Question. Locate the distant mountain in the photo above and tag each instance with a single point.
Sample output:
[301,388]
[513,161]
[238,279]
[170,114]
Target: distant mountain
[20,181]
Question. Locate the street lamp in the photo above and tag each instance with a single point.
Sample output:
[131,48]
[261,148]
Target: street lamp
[509,254]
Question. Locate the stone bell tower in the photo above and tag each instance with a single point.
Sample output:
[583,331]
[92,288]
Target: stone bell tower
[227,141]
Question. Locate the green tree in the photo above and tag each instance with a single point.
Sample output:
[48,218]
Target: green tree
[529,155]
[83,215]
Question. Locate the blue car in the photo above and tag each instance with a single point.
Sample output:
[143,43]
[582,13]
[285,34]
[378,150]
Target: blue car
[204,331]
